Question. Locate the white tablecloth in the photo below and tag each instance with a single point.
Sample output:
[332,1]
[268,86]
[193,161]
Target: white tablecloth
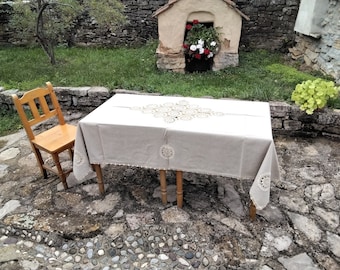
[219,137]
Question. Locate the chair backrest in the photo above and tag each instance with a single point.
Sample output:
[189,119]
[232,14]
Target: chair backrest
[42,104]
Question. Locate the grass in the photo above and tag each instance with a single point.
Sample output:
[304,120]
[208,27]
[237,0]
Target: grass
[261,75]
[9,123]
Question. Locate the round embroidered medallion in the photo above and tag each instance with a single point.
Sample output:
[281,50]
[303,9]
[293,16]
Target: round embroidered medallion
[264,182]
[78,158]
[166,151]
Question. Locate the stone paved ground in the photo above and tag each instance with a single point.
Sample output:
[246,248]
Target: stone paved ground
[45,227]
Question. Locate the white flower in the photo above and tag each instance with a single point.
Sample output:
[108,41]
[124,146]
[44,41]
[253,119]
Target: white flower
[210,55]
[213,43]
[201,51]
[200,42]
[199,46]
[193,48]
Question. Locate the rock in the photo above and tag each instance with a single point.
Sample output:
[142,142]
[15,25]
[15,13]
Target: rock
[306,226]
[271,213]
[170,193]
[9,207]
[105,205]
[230,197]
[175,215]
[236,225]
[8,253]
[31,265]
[327,262]
[183,262]
[331,218]
[323,192]
[298,262]
[9,154]
[294,204]
[282,243]
[115,230]
[334,243]
[72,224]
[273,240]
[3,170]
[136,220]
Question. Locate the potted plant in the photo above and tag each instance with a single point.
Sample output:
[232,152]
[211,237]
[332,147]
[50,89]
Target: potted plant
[201,43]
[313,95]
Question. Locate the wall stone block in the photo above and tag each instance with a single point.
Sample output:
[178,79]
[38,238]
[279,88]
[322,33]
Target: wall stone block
[292,125]
[279,109]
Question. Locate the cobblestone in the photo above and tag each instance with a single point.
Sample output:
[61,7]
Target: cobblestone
[43,226]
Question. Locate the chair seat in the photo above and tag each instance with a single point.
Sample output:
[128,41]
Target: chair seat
[56,139]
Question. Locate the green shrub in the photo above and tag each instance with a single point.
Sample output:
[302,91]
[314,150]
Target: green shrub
[311,95]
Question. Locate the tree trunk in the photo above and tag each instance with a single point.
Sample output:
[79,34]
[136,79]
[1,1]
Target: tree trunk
[45,42]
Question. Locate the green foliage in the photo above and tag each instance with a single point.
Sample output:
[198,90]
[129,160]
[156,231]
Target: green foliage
[135,69]
[10,122]
[58,19]
[55,22]
[201,40]
[289,74]
[108,13]
[22,22]
[314,94]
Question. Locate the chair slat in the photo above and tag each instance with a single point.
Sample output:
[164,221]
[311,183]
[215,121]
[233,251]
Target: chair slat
[44,106]
[34,109]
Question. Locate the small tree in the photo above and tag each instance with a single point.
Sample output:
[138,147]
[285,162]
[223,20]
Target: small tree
[48,21]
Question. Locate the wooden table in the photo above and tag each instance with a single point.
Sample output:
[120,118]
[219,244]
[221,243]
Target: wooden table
[219,137]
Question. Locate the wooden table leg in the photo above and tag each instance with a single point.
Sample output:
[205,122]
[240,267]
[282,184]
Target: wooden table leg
[179,188]
[162,176]
[99,173]
[252,211]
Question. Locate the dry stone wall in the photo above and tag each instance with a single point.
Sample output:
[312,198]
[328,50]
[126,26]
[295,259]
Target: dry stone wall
[286,119]
[322,53]
[270,27]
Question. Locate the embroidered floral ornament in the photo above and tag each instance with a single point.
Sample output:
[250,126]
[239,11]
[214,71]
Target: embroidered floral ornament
[201,41]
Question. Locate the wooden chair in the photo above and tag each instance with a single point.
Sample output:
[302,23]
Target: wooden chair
[42,104]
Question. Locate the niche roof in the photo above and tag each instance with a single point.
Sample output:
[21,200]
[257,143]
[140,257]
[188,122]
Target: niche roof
[230,3]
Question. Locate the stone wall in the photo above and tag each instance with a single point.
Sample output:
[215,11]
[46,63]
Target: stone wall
[271,24]
[322,53]
[270,27]
[5,13]
[287,119]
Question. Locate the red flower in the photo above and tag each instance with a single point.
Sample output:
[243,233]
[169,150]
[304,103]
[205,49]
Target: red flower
[195,21]
[197,56]
[185,46]
[206,51]
[188,27]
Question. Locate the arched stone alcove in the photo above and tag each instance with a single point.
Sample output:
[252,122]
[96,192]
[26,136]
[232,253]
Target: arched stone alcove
[172,20]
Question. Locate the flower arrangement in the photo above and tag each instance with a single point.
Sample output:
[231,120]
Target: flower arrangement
[201,42]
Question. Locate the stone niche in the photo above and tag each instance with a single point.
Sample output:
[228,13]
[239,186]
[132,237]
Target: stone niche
[173,18]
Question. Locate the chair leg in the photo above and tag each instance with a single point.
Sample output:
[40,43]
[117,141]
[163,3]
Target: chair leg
[61,173]
[40,161]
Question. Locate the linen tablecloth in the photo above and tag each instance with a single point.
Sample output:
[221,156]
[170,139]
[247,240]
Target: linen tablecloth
[219,137]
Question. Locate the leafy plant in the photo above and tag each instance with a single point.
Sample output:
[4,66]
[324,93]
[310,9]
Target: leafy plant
[201,40]
[314,94]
